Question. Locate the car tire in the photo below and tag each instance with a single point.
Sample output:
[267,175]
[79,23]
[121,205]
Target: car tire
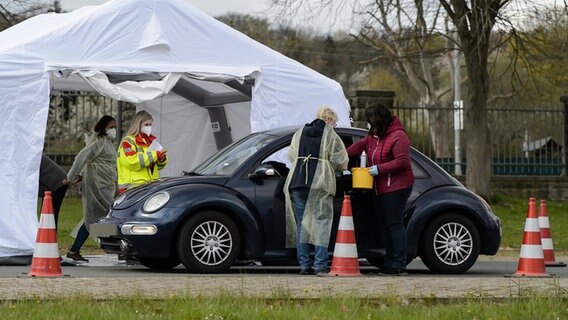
[450,244]
[159,264]
[209,242]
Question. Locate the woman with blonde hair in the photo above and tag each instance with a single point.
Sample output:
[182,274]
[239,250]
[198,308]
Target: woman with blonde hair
[317,152]
[138,159]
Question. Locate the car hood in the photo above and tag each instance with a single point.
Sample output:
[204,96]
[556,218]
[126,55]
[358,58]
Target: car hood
[139,193]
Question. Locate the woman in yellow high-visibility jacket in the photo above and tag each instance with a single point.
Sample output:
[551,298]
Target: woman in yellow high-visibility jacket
[137,163]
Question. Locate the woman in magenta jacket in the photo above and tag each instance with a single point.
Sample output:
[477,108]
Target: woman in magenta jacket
[388,157]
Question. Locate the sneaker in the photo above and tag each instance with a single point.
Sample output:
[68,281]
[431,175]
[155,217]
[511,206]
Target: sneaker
[76,256]
[306,271]
[393,272]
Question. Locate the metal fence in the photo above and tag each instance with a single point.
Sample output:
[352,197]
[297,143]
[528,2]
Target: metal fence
[72,116]
[524,141]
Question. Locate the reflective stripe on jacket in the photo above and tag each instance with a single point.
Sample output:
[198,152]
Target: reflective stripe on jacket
[135,163]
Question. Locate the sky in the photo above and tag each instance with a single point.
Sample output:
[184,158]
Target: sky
[322,22]
[212,7]
[259,8]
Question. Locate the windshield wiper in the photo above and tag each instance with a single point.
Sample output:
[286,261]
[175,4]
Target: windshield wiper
[192,173]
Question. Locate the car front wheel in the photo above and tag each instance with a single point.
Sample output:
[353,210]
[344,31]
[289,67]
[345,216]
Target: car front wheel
[451,244]
[209,242]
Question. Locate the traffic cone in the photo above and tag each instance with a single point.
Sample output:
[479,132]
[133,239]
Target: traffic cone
[345,261]
[46,260]
[546,237]
[531,258]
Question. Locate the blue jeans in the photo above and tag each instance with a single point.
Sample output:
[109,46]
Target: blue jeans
[82,236]
[390,208]
[299,198]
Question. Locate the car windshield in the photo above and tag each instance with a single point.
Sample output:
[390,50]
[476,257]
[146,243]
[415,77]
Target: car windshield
[228,159]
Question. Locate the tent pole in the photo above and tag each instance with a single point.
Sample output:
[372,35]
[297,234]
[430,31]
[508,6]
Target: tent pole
[220,126]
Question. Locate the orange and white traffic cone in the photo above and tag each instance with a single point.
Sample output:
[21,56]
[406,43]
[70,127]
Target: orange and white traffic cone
[531,258]
[46,260]
[546,237]
[345,261]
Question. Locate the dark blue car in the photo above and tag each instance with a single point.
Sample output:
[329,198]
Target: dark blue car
[231,208]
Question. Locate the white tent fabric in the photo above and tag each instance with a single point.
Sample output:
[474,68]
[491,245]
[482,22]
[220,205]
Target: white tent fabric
[130,91]
[189,145]
[132,36]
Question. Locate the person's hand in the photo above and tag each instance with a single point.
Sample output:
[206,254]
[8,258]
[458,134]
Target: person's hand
[374,170]
[66,182]
[77,179]
[162,154]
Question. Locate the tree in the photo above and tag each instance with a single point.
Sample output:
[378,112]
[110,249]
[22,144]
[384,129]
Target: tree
[474,22]
[407,41]
[16,11]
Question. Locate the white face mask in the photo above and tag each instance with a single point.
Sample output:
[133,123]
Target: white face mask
[368,126]
[111,133]
[146,130]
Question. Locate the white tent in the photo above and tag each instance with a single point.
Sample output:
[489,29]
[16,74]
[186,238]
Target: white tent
[128,38]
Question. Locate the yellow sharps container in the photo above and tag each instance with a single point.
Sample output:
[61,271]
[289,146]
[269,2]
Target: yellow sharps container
[362,179]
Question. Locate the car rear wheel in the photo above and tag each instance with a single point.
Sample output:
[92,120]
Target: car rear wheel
[451,244]
[209,242]
[159,264]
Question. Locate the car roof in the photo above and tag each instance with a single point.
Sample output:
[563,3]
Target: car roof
[283,131]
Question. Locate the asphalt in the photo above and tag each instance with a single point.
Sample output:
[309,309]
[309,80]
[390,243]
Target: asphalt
[277,284]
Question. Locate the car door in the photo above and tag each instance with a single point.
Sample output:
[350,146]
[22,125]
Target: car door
[360,200]
[270,201]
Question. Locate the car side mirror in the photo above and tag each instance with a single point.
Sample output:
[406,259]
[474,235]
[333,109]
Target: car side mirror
[263,171]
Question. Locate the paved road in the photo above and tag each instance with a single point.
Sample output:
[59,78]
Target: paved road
[105,276]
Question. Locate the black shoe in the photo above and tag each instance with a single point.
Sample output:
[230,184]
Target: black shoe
[393,272]
[306,271]
[321,272]
[76,256]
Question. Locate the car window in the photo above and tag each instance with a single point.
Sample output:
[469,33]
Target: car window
[280,155]
[227,160]
[419,172]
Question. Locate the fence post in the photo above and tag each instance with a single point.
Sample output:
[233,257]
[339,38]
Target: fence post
[564,100]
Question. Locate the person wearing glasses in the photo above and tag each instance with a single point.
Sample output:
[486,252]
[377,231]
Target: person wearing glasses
[316,152]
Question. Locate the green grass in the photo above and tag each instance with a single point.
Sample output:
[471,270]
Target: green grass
[511,210]
[70,214]
[513,213]
[226,306]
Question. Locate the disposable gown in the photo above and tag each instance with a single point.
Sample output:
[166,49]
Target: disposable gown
[96,162]
[318,214]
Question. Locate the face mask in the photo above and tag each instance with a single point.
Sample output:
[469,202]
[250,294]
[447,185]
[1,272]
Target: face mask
[146,130]
[368,126]
[111,133]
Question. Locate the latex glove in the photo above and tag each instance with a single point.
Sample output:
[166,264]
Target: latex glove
[162,154]
[374,170]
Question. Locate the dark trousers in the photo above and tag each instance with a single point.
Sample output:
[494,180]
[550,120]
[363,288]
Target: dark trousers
[390,208]
[82,236]
[57,197]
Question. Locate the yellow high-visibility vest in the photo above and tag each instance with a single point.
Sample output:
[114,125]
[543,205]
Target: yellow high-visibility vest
[136,164]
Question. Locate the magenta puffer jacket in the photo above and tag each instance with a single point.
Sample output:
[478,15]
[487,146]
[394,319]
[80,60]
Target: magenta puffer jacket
[391,154]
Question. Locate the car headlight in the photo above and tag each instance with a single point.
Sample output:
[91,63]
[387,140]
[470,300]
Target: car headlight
[119,200]
[156,202]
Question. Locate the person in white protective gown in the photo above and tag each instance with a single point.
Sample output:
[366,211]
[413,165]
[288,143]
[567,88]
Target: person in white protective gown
[95,167]
[317,152]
